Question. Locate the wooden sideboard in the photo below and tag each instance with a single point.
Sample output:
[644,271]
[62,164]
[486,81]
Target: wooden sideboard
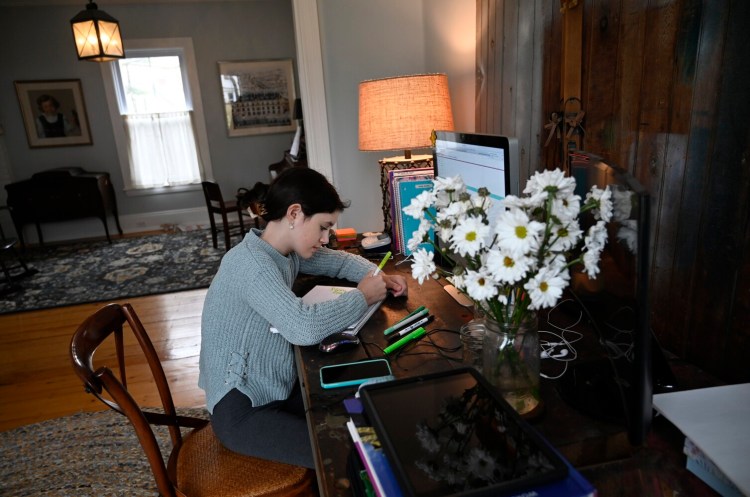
[60,195]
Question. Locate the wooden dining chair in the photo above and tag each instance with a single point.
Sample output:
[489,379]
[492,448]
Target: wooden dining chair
[217,206]
[198,465]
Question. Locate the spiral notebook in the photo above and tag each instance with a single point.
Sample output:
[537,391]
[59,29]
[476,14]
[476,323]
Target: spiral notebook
[323,293]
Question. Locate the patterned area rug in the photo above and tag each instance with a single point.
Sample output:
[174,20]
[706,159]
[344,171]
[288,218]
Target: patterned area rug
[83,455]
[129,267]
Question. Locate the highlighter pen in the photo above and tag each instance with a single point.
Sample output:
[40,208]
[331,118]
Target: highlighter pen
[414,335]
[382,263]
[411,313]
[396,324]
[425,320]
[406,321]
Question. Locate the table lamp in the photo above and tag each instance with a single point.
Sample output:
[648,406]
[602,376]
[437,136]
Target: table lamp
[400,113]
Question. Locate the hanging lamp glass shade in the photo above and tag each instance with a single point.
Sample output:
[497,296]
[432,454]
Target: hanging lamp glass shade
[97,35]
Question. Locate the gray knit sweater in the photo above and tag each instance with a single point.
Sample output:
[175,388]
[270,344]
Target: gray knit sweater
[252,292]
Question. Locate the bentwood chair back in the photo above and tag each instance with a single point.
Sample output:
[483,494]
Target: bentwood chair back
[198,465]
[217,206]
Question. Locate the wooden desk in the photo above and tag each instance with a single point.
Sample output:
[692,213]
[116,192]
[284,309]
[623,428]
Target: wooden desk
[599,449]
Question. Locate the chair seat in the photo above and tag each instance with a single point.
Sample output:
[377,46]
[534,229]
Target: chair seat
[206,468]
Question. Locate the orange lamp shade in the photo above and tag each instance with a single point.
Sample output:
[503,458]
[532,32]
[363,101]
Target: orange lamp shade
[401,112]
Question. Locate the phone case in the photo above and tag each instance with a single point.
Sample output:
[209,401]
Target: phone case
[386,373]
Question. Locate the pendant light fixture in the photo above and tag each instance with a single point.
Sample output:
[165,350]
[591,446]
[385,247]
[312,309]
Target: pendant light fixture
[97,35]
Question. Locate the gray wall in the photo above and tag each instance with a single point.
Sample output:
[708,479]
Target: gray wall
[220,31]
[376,39]
[359,40]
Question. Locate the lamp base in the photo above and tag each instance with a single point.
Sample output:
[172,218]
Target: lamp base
[389,164]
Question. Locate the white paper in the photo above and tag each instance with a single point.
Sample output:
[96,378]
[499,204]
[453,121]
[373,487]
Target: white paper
[323,293]
[717,421]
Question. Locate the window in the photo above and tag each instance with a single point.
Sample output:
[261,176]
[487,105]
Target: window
[160,133]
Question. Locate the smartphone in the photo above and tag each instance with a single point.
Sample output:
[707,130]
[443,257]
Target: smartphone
[354,373]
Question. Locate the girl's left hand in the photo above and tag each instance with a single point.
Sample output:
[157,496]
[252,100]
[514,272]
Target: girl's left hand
[396,284]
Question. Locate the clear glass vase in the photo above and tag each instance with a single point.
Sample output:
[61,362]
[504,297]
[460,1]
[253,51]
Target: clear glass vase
[511,359]
[472,340]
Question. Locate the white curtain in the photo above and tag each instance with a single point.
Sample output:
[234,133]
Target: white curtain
[162,149]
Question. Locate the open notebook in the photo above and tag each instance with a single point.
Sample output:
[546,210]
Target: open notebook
[323,293]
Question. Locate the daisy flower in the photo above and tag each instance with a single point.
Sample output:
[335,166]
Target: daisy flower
[419,235]
[469,236]
[591,263]
[545,288]
[454,184]
[628,234]
[603,199]
[419,204]
[622,204]
[565,237]
[596,236]
[480,286]
[517,233]
[423,265]
[507,267]
[481,464]
[550,181]
[566,209]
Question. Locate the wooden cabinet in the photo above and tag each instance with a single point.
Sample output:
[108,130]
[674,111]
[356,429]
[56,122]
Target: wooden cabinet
[60,195]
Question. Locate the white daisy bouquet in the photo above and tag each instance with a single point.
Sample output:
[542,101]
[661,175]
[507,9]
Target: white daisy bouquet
[519,261]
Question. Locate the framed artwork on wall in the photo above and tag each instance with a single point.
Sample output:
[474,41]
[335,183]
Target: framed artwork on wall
[54,113]
[258,96]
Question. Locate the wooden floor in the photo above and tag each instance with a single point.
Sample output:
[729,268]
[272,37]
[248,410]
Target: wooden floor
[36,378]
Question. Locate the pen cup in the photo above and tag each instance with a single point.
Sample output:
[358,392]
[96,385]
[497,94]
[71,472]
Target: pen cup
[472,339]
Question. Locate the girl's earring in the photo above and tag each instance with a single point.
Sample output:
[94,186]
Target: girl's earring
[291,226]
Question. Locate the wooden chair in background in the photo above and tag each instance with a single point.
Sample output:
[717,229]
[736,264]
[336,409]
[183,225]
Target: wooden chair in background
[198,464]
[216,205]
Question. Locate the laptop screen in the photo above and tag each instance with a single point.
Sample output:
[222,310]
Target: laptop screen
[450,434]
[488,161]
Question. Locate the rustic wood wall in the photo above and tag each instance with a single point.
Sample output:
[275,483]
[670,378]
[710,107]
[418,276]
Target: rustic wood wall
[666,91]
[509,75]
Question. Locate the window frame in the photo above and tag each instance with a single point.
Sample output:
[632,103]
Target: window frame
[155,47]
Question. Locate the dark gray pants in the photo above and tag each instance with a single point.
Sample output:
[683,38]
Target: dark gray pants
[276,431]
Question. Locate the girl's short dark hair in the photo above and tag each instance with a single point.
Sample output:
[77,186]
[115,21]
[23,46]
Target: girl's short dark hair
[304,186]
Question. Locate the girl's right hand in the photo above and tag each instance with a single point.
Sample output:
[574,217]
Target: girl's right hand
[373,288]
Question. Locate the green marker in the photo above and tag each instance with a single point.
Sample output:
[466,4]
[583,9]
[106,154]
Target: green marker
[412,317]
[414,335]
[382,263]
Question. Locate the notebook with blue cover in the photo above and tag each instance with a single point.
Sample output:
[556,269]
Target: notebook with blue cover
[394,177]
[406,189]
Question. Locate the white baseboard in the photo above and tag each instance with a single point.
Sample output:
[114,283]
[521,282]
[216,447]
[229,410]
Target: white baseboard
[130,223]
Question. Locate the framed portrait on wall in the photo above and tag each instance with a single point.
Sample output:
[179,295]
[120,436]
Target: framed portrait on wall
[258,96]
[54,113]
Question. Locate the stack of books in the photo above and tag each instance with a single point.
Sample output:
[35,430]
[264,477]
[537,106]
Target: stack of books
[702,467]
[403,186]
[714,422]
